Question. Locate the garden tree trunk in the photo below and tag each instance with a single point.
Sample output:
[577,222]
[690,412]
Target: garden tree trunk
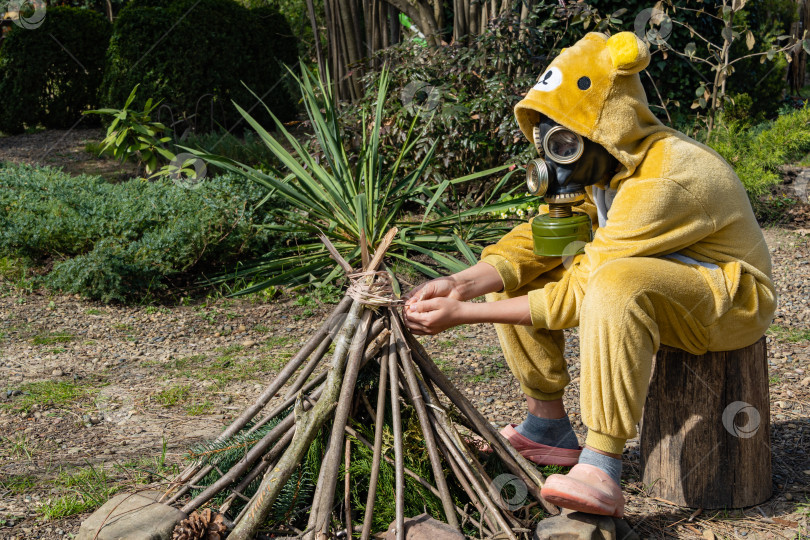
[356,32]
[317,35]
[705,432]
[798,66]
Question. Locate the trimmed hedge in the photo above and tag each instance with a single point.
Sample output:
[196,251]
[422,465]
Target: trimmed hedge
[51,74]
[199,55]
[121,241]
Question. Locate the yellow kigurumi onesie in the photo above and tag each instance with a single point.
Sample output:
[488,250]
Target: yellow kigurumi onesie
[677,257]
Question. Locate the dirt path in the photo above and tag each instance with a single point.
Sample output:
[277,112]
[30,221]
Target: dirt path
[123,391]
[65,148]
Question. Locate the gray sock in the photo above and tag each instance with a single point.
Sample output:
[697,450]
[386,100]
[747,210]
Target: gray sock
[549,431]
[612,466]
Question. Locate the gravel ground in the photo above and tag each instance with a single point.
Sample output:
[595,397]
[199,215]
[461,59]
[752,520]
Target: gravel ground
[123,381]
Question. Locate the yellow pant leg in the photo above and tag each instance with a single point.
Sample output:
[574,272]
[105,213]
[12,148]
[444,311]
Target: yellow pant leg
[631,307]
[535,355]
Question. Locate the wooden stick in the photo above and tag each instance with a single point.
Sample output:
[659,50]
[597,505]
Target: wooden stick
[465,485]
[424,483]
[308,424]
[310,366]
[378,436]
[440,418]
[289,402]
[471,461]
[442,422]
[249,413]
[371,350]
[517,464]
[268,459]
[242,466]
[399,460]
[318,354]
[476,483]
[327,479]
[347,492]
[291,367]
[424,421]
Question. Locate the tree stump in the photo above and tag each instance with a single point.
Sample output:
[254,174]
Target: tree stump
[705,437]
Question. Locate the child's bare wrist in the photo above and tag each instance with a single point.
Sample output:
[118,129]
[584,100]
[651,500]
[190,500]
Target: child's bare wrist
[469,312]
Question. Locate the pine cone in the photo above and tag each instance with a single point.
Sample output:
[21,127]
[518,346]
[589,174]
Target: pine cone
[205,525]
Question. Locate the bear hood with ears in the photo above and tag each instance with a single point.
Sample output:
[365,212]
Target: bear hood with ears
[594,89]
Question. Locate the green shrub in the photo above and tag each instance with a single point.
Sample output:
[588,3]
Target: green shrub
[738,110]
[216,52]
[757,153]
[764,81]
[132,134]
[119,241]
[677,78]
[51,74]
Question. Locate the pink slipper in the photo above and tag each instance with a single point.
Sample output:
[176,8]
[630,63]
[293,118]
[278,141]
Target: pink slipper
[585,489]
[540,453]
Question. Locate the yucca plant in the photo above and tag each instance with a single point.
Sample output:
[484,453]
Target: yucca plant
[357,197]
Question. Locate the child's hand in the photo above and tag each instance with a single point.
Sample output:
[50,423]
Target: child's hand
[435,288]
[434,315]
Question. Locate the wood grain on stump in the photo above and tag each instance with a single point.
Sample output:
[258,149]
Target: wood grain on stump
[705,437]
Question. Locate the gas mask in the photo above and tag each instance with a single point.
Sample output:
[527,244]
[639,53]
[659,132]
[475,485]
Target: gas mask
[568,163]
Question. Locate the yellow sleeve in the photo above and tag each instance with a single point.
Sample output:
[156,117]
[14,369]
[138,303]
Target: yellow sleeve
[514,259]
[648,218]
[513,255]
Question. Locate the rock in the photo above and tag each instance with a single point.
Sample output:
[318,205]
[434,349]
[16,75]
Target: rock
[424,527]
[132,516]
[248,343]
[57,372]
[581,526]
[708,534]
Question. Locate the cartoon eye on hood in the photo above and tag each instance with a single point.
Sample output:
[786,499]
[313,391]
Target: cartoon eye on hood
[549,80]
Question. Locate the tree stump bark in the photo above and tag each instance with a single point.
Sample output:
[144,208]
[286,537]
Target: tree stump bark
[705,437]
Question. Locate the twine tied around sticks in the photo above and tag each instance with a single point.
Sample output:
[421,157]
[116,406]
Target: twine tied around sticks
[378,293]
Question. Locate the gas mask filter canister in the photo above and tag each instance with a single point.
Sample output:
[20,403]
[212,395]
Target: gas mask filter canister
[567,164]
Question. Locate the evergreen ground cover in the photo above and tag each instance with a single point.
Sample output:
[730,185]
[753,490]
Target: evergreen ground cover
[130,240]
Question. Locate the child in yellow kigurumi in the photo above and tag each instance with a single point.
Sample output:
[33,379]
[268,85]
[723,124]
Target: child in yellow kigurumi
[677,258]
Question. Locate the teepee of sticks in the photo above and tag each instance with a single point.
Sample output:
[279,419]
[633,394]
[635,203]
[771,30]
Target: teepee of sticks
[367,338]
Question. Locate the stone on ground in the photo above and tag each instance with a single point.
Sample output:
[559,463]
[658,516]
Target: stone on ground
[581,526]
[424,527]
[132,516]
